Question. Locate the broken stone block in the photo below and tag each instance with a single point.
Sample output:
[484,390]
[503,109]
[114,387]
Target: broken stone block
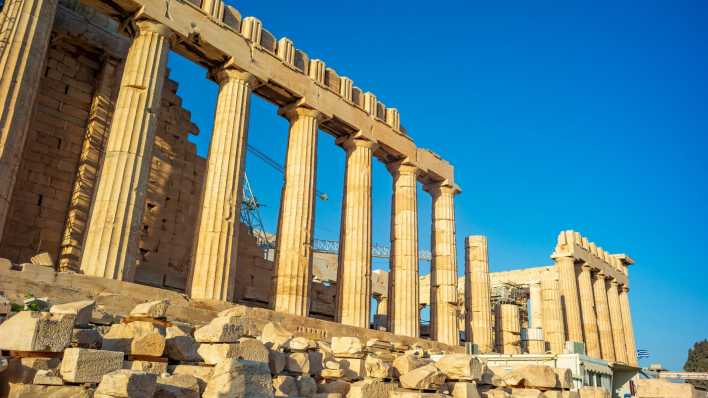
[371,389]
[86,338]
[81,365]
[44,259]
[82,310]
[36,331]
[377,368]
[36,391]
[212,354]
[334,387]
[135,338]
[493,392]
[463,389]
[599,392]
[347,347]
[226,330]
[156,368]
[238,378]
[460,367]
[125,383]
[277,361]
[565,378]
[426,377]
[338,374]
[299,344]
[177,386]
[298,362]
[47,378]
[306,386]
[153,309]
[180,345]
[406,363]
[285,386]
[201,373]
[531,376]
[526,393]
[275,336]
[376,345]
[251,349]
[401,393]
[23,370]
[233,311]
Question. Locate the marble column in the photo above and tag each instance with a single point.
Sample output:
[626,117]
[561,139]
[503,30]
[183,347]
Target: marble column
[617,322]
[568,283]
[508,329]
[111,244]
[354,272]
[553,326]
[293,256]
[404,315]
[604,326]
[478,307]
[629,341]
[587,306]
[26,29]
[381,318]
[443,279]
[536,299]
[213,274]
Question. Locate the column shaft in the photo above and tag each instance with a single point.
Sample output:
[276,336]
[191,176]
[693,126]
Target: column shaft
[536,298]
[293,256]
[553,326]
[354,272]
[381,318]
[112,238]
[26,29]
[617,322]
[508,329]
[443,279]
[478,308]
[604,325]
[629,341]
[213,274]
[568,283]
[404,316]
[587,305]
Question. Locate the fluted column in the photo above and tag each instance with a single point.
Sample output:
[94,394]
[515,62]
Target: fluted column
[604,326]
[478,308]
[381,317]
[213,275]
[587,305]
[293,255]
[404,316]
[508,329]
[629,341]
[112,238]
[26,28]
[354,272]
[617,322]
[568,283]
[443,279]
[536,298]
[553,326]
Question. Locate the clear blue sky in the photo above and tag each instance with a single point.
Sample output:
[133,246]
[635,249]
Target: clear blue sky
[556,115]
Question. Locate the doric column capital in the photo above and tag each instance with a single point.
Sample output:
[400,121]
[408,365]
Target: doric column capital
[349,142]
[586,267]
[403,167]
[442,188]
[225,74]
[150,26]
[295,112]
[624,288]
[600,275]
[614,282]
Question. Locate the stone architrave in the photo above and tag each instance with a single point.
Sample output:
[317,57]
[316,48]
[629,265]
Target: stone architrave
[28,24]
[568,283]
[604,326]
[587,306]
[553,326]
[443,275]
[111,249]
[213,275]
[628,326]
[478,309]
[403,291]
[354,272]
[293,255]
[613,303]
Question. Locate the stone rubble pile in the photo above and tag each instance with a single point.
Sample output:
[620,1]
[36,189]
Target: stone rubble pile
[63,353]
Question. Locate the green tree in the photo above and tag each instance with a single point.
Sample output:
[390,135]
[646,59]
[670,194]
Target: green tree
[698,362]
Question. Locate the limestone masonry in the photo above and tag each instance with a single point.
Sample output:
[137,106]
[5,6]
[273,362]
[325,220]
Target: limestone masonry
[125,270]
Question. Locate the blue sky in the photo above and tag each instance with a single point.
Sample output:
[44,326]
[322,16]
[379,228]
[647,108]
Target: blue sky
[556,115]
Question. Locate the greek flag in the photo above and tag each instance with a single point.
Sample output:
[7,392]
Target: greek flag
[642,354]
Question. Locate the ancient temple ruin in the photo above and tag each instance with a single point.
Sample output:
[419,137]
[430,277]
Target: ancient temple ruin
[96,170]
